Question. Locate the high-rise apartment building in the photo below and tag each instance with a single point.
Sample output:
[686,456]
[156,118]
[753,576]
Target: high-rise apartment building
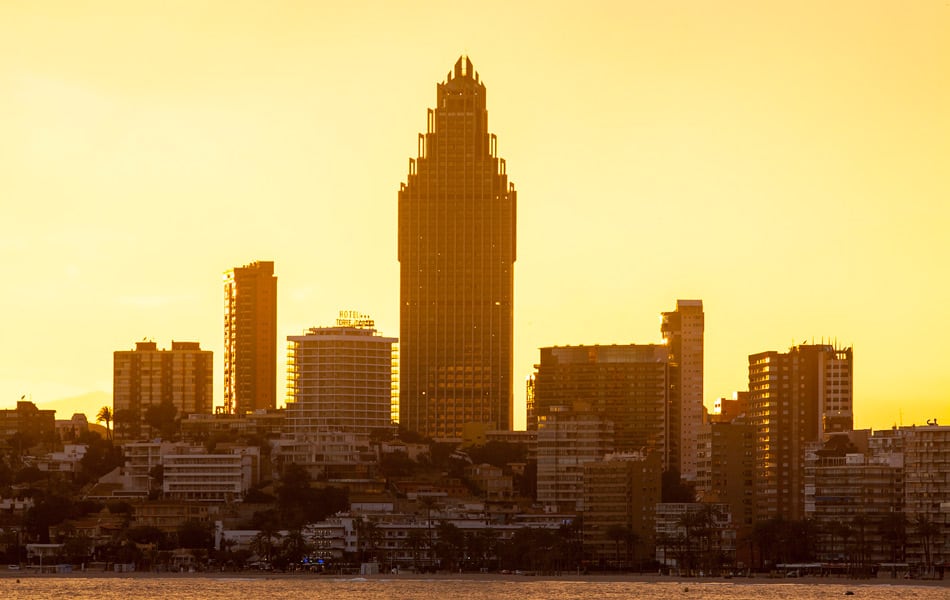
[250,338]
[627,384]
[620,496]
[340,378]
[927,493]
[147,377]
[456,256]
[844,488]
[29,420]
[794,398]
[566,443]
[725,469]
[682,331]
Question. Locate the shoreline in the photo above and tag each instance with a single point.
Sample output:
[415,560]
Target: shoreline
[591,578]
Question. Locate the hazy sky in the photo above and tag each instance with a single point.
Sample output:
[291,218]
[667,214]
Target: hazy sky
[786,162]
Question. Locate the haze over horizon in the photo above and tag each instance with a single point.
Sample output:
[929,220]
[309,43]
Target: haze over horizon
[785,163]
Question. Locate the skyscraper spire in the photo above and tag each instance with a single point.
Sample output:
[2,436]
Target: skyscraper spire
[456,254]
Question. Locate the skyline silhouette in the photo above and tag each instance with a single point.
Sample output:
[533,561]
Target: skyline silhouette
[785,164]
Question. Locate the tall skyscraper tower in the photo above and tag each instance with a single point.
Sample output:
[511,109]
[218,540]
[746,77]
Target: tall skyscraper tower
[794,398]
[683,330]
[250,338]
[456,256]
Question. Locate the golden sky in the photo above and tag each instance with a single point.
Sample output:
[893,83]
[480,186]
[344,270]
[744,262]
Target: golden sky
[786,162]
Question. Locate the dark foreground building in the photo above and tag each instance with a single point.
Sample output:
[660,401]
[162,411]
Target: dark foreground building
[456,257]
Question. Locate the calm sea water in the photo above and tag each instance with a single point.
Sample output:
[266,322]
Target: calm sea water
[201,588]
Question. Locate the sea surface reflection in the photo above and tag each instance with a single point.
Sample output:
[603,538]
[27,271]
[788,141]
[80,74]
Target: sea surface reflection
[208,587]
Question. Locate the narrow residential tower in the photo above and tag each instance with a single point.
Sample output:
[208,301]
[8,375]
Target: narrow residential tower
[250,338]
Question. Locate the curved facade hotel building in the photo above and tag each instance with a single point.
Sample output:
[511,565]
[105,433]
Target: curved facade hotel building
[340,378]
[456,256]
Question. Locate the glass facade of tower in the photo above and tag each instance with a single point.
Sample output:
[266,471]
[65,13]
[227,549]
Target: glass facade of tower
[456,255]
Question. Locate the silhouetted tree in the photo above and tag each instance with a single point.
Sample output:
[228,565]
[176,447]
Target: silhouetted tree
[615,533]
[162,418]
[451,543]
[894,532]
[195,534]
[147,534]
[292,549]
[47,510]
[411,437]
[499,454]
[30,474]
[298,502]
[367,538]
[101,457]
[416,540]
[397,464]
[105,415]
[926,530]
[264,543]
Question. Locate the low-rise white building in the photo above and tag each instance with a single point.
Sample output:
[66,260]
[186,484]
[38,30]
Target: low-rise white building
[221,477]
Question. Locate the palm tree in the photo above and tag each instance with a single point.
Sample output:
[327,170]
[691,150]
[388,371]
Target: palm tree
[428,502]
[615,534]
[622,533]
[927,530]
[294,547]
[695,527]
[415,540]
[860,524]
[105,414]
[895,534]
[451,544]
[263,544]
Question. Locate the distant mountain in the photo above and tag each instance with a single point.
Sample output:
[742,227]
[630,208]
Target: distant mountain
[89,404]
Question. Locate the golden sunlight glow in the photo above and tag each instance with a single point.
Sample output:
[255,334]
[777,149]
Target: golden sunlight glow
[785,162]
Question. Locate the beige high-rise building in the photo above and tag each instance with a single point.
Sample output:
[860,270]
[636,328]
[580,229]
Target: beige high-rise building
[250,338]
[683,331]
[147,377]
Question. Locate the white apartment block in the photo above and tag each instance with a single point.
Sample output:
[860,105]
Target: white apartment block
[221,477]
[341,378]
